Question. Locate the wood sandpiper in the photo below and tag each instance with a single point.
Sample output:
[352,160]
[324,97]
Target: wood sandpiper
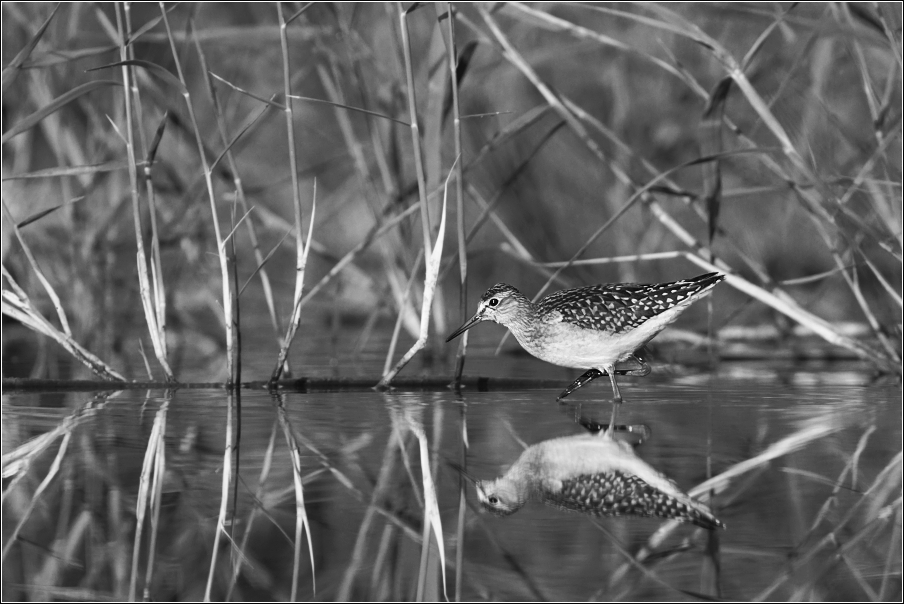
[592,474]
[591,327]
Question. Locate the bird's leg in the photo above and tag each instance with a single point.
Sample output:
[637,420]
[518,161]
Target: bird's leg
[641,371]
[616,395]
[616,398]
[591,374]
[587,376]
[590,425]
[612,428]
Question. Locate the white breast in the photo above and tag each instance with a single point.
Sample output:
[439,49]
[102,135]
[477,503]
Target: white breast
[564,344]
[572,456]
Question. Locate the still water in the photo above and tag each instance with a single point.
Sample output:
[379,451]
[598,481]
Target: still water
[811,504]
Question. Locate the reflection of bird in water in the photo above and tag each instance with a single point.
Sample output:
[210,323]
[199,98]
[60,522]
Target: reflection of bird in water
[592,474]
[592,327]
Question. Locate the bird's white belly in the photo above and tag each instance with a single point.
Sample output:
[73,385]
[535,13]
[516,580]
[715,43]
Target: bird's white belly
[571,346]
[579,348]
[572,456]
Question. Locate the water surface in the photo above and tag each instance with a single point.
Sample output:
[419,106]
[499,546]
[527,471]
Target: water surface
[832,434]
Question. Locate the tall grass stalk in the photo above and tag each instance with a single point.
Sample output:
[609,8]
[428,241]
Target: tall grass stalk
[432,519]
[432,258]
[239,184]
[452,54]
[892,558]
[432,263]
[462,503]
[408,420]
[220,530]
[301,252]
[383,570]
[301,260]
[149,489]
[301,516]
[381,487]
[150,287]
[157,493]
[150,152]
[403,307]
[255,510]
[415,129]
[208,180]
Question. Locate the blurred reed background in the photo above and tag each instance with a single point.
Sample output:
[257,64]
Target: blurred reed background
[568,117]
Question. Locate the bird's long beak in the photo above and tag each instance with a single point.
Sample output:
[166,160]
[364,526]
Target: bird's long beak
[468,325]
[462,472]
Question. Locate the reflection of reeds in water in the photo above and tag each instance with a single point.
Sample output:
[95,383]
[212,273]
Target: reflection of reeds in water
[579,145]
[89,514]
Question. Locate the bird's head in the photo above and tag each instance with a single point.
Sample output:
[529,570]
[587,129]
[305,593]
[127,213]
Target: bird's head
[501,303]
[501,496]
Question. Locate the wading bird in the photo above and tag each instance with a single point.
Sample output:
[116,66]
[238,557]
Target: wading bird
[591,327]
[594,474]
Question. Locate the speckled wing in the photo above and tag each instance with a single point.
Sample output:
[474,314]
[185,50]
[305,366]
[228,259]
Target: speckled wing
[619,494]
[620,307]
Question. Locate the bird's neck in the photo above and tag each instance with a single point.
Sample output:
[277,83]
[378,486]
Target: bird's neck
[522,321]
[512,492]
[521,478]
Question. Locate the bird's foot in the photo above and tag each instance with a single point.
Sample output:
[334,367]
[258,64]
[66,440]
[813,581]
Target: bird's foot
[587,376]
[641,371]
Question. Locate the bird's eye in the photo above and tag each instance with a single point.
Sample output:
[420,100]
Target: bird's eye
[494,500]
[494,302]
